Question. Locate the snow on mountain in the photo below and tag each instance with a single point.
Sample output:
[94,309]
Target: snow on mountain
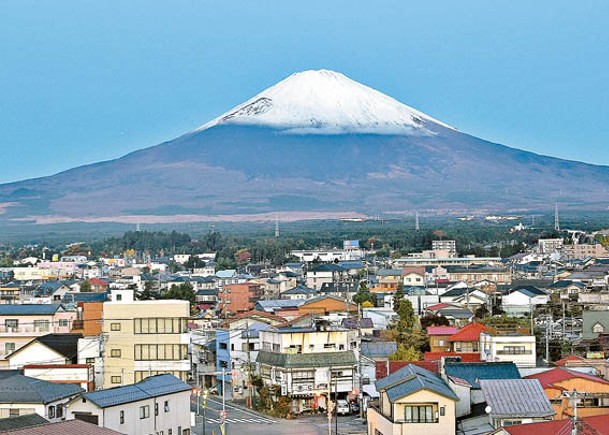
[326,102]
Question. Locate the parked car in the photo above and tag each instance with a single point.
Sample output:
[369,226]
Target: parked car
[354,407]
[342,407]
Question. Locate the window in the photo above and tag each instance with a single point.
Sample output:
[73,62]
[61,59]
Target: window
[89,360]
[115,379]
[144,412]
[63,323]
[513,350]
[156,409]
[166,406]
[419,414]
[223,346]
[119,297]
[115,353]
[11,324]
[41,325]
[51,412]
[330,346]
[160,325]
[311,347]
[59,411]
[122,417]
[160,352]
[9,347]
[115,326]
[442,411]
[598,328]
[13,412]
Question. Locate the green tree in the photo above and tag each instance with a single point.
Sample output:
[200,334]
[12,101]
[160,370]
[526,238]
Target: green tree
[85,286]
[364,295]
[405,353]
[183,292]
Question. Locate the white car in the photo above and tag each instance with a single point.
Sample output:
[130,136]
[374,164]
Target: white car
[342,407]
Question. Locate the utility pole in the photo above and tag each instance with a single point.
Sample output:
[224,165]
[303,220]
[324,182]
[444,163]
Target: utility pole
[249,364]
[360,393]
[330,405]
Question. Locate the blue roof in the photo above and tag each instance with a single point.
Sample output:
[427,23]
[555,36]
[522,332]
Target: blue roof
[474,372]
[410,379]
[152,386]
[28,309]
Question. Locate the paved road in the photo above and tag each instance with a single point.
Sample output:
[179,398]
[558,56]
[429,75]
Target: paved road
[241,421]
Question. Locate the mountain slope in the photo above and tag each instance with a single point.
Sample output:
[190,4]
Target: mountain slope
[315,143]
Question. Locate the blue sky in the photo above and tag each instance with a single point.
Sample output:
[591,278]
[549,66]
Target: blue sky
[83,81]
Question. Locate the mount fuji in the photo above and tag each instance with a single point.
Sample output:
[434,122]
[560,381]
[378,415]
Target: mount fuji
[316,144]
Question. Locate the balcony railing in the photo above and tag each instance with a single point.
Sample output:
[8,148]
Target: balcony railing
[514,352]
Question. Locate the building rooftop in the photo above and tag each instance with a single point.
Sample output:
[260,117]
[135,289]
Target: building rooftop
[474,372]
[23,389]
[152,386]
[516,398]
[305,360]
[410,379]
[69,427]
[559,374]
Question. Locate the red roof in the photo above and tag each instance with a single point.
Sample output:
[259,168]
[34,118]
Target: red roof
[381,367]
[98,281]
[562,362]
[470,332]
[441,330]
[549,378]
[465,357]
[437,306]
[597,425]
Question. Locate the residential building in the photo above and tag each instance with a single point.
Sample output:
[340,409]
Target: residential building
[325,273]
[237,346]
[584,250]
[77,374]
[325,305]
[157,404]
[594,398]
[514,346]
[467,339]
[47,349]
[445,245]
[547,246]
[595,323]
[144,338]
[21,395]
[515,401]
[413,400]
[464,379]
[306,360]
[519,301]
[439,337]
[20,324]
[239,298]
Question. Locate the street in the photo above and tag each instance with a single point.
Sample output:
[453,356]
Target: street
[240,420]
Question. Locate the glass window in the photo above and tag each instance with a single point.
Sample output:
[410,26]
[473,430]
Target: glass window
[122,417]
[63,323]
[115,379]
[115,353]
[115,326]
[9,347]
[144,411]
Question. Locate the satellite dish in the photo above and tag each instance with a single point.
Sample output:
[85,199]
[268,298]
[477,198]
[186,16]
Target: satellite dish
[488,409]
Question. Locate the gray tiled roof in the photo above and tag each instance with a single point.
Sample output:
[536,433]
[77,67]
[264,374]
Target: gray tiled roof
[305,360]
[410,379]
[69,427]
[379,349]
[514,398]
[152,386]
[21,421]
[23,389]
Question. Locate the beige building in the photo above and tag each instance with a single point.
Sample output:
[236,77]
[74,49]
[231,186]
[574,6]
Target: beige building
[415,401]
[144,338]
[584,250]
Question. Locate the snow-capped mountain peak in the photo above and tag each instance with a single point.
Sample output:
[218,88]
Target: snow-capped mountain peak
[326,102]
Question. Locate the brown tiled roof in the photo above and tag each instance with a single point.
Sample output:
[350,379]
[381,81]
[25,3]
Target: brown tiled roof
[70,427]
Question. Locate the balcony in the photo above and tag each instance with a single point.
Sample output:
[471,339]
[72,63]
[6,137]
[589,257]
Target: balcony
[514,352]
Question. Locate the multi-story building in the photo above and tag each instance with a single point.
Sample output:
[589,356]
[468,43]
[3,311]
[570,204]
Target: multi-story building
[413,400]
[144,338]
[584,250]
[307,362]
[239,298]
[511,346]
[547,246]
[20,324]
[445,245]
[237,346]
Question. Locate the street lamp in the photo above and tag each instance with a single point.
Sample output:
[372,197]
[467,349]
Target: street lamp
[201,402]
